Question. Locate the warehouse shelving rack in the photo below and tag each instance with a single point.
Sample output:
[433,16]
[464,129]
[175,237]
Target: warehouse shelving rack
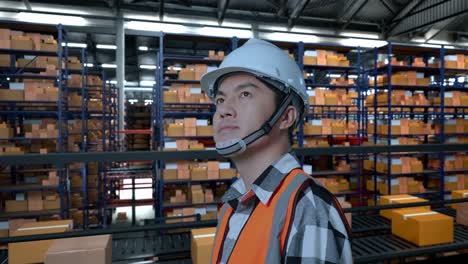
[162,110]
[390,110]
[319,76]
[135,115]
[15,111]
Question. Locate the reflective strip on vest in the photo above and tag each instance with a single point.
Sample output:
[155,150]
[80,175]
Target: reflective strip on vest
[266,223]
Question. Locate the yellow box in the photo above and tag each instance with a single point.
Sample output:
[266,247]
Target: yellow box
[227,173]
[170,174]
[36,250]
[400,199]
[175,130]
[203,131]
[199,174]
[310,60]
[421,227]
[202,244]
[458,194]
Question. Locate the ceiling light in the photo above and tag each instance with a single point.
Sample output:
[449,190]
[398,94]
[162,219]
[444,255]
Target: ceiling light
[143,48]
[332,75]
[51,19]
[352,76]
[360,35]
[365,43]
[89,65]
[147,67]
[147,83]
[74,45]
[101,46]
[108,65]
[291,37]
[140,89]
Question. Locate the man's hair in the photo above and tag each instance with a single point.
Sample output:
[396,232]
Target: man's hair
[279,96]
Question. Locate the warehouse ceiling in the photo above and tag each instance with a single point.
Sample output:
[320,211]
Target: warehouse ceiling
[423,21]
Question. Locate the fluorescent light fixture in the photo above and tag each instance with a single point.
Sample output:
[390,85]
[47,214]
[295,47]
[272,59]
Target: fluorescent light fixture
[51,19]
[108,65]
[132,101]
[365,43]
[333,75]
[147,67]
[74,45]
[461,79]
[147,83]
[304,30]
[130,83]
[59,10]
[101,46]
[352,76]
[174,68]
[89,65]
[439,42]
[291,37]
[138,89]
[155,27]
[112,82]
[224,32]
[359,35]
[143,48]
[449,47]
[236,24]
[429,45]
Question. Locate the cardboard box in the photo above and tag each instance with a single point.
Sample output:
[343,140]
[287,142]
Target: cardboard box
[11,95]
[348,216]
[175,130]
[199,174]
[78,250]
[458,194]
[36,249]
[170,174]
[183,174]
[14,224]
[22,44]
[198,197]
[12,206]
[310,60]
[227,173]
[400,199]
[35,201]
[462,214]
[422,227]
[204,131]
[51,205]
[202,244]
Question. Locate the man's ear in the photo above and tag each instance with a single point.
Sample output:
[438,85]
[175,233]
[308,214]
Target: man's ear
[288,118]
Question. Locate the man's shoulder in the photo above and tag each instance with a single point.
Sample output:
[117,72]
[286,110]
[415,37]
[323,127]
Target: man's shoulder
[311,188]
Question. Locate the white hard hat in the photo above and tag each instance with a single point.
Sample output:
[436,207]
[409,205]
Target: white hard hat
[266,61]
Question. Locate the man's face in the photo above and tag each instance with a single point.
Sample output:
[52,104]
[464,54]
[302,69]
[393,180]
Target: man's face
[243,104]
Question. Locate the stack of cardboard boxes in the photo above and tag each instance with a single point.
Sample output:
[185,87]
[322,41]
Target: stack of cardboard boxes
[6,131]
[192,72]
[189,127]
[46,128]
[334,184]
[456,61]
[215,55]
[325,57]
[404,78]
[185,93]
[329,127]
[43,90]
[211,170]
[200,196]
[178,198]
[398,185]
[337,97]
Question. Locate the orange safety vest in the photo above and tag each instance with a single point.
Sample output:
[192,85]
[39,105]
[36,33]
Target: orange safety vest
[263,238]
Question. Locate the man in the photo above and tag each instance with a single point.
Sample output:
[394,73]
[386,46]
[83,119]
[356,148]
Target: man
[275,212]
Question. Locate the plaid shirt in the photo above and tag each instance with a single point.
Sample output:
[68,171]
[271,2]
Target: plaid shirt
[318,234]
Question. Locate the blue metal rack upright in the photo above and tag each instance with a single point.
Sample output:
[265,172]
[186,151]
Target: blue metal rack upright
[16,111]
[159,113]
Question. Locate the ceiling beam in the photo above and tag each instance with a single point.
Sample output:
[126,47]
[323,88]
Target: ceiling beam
[428,16]
[27,4]
[389,6]
[439,27]
[403,13]
[296,13]
[222,7]
[283,8]
[161,9]
[359,4]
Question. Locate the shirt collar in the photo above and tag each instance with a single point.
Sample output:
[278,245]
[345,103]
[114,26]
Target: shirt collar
[266,184]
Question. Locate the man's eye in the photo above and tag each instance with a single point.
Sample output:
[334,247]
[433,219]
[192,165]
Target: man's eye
[219,101]
[245,94]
